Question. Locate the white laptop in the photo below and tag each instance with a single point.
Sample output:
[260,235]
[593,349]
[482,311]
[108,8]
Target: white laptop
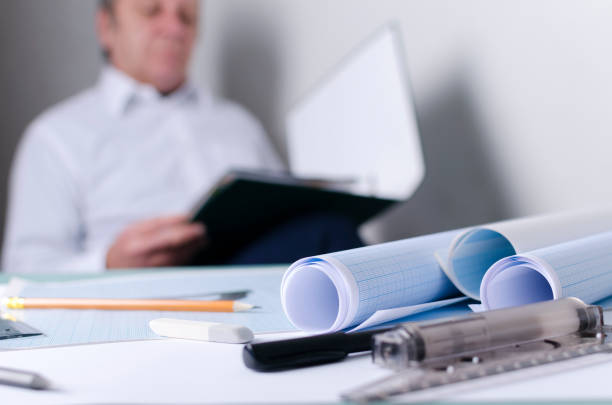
[360,123]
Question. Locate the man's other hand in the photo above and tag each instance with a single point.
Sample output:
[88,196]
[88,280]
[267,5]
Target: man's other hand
[166,241]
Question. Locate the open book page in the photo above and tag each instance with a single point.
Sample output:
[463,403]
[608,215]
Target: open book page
[64,327]
[475,250]
[580,268]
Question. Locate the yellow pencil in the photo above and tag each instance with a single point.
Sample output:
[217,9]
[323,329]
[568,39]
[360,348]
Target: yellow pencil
[125,304]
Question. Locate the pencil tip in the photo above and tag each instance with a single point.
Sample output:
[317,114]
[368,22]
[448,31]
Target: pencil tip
[241,306]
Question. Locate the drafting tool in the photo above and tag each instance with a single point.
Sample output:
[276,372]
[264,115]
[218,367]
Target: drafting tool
[436,353]
[11,328]
[125,304]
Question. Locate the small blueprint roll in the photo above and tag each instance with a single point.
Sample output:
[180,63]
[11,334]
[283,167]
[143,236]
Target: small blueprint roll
[472,252]
[337,290]
[581,268]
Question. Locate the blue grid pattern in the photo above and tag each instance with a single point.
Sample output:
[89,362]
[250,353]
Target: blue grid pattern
[584,266]
[476,253]
[63,327]
[397,274]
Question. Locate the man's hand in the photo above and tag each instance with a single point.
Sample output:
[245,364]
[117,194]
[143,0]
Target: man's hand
[167,241]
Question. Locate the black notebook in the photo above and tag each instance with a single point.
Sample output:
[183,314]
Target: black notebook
[244,205]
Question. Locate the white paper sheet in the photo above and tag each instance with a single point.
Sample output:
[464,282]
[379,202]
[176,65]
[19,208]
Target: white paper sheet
[580,268]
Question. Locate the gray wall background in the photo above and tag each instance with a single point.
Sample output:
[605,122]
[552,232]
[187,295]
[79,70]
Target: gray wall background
[513,97]
[48,53]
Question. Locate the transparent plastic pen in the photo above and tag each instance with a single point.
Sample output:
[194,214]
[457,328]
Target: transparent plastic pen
[412,343]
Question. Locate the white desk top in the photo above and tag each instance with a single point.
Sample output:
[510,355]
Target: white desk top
[184,372]
[181,372]
[173,371]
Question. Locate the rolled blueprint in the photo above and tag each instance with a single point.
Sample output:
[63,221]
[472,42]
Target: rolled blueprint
[388,281]
[472,252]
[581,268]
[338,290]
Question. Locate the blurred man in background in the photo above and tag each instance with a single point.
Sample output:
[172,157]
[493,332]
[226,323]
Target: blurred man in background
[98,180]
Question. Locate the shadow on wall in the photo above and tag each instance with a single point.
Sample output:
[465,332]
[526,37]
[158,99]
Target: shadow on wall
[459,188]
[250,71]
[49,52]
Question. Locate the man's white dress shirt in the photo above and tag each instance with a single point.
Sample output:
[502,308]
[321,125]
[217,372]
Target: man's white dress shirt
[115,154]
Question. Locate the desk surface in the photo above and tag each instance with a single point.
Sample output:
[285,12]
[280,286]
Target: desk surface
[4,277]
[178,371]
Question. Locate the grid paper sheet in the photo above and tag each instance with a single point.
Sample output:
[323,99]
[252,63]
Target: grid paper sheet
[397,274]
[64,327]
[467,262]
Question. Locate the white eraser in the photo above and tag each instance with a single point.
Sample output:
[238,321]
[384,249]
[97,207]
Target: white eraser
[209,331]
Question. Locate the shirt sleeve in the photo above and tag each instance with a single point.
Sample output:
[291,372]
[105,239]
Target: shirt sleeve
[44,230]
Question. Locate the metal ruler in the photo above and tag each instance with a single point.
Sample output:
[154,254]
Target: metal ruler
[11,328]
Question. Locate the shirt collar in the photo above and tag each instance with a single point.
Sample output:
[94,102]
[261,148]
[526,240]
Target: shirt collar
[122,91]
